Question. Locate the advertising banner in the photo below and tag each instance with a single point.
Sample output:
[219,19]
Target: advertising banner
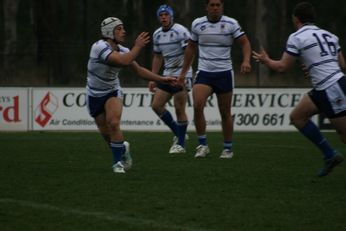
[252,109]
[14,107]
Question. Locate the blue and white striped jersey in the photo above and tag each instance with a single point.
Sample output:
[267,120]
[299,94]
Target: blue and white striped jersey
[171,44]
[214,42]
[102,77]
[318,50]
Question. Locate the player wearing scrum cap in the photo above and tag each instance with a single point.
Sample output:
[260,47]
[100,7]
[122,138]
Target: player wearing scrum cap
[170,41]
[104,93]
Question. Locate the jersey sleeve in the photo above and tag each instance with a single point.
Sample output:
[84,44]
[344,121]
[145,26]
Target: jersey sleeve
[185,37]
[237,30]
[101,51]
[292,46]
[194,34]
[338,47]
[156,47]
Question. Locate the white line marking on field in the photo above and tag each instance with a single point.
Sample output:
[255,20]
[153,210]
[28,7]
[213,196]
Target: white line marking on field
[99,215]
[277,146]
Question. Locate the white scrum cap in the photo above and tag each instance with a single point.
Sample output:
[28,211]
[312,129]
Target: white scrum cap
[108,25]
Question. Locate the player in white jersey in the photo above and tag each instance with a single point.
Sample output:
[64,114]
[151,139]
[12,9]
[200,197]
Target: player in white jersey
[104,94]
[214,36]
[170,41]
[320,53]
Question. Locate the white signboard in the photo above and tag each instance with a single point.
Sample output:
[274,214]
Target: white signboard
[14,105]
[252,109]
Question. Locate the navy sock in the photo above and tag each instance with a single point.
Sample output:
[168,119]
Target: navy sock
[202,140]
[167,118]
[227,145]
[182,127]
[311,131]
[118,149]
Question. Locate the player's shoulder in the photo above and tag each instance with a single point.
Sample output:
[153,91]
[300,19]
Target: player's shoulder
[307,30]
[178,26]
[100,42]
[180,29]
[199,20]
[157,31]
[100,45]
[327,32]
[228,19]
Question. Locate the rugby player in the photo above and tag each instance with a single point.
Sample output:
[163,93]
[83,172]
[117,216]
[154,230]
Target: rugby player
[320,53]
[213,35]
[104,93]
[169,42]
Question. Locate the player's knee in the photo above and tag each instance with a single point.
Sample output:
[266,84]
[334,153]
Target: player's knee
[294,119]
[198,105]
[298,122]
[114,124]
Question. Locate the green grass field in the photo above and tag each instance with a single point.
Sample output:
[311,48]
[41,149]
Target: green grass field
[64,181]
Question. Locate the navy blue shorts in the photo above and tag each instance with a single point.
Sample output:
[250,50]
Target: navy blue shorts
[331,101]
[96,105]
[172,90]
[168,88]
[220,82]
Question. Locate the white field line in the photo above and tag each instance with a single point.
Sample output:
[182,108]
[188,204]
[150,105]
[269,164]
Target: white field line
[116,217]
[277,146]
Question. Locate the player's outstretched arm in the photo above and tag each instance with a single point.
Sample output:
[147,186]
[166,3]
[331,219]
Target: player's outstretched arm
[126,59]
[281,65]
[148,75]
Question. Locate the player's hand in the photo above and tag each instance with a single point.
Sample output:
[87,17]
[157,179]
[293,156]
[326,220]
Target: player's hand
[261,56]
[169,80]
[245,67]
[142,39]
[181,81]
[152,86]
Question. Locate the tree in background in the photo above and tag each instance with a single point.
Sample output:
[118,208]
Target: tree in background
[10,38]
[46,43]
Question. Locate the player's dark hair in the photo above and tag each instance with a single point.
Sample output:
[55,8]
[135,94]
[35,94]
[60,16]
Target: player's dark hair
[305,12]
[207,1]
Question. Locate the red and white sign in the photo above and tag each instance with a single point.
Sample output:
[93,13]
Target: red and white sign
[14,104]
[59,109]
[46,109]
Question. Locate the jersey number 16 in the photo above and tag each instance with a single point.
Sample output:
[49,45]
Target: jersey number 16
[325,44]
